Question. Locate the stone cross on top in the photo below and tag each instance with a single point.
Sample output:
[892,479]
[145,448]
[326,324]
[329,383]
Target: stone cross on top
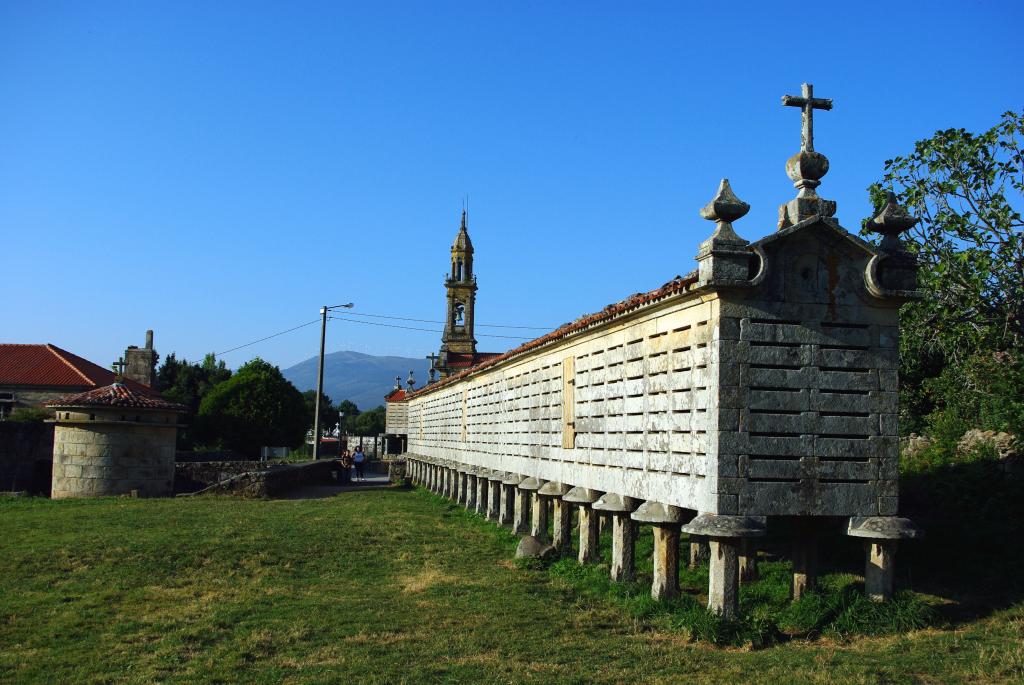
[807,103]
[118,366]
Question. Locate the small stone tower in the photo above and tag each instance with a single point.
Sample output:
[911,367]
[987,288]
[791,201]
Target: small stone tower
[113,441]
[458,336]
[140,364]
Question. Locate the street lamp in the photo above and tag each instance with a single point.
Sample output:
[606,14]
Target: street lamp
[320,375]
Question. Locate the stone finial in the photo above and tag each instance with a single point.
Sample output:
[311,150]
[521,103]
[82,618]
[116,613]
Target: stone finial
[807,167]
[410,381]
[723,209]
[890,222]
[724,258]
[892,273]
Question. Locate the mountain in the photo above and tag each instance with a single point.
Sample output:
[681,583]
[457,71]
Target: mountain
[360,378]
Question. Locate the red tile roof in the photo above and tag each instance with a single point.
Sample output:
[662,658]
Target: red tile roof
[458,360]
[115,395]
[677,285]
[396,395]
[51,367]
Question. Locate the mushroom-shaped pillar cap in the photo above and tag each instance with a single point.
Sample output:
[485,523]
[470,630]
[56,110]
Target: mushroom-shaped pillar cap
[582,496]
[616,503]
[495,475]
[721,526]
[531,483]
[657,513]
[883,528]
[512,479]
[553,489]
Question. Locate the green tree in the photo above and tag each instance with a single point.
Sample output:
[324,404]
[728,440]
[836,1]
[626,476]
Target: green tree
[328,412]
[369,422]
[970,247]
[188,383]
[257,406]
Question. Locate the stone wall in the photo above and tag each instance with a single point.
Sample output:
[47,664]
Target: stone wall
[26,455]
[279,479]
[113,459]
[193,476]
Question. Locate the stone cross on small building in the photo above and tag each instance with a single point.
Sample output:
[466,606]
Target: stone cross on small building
[806,167]
[433,366]
[807,103]
[118,367]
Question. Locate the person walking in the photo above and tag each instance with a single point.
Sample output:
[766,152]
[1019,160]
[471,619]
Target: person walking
[359,459]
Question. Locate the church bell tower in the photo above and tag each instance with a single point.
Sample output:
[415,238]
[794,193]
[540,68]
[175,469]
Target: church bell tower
[461,287]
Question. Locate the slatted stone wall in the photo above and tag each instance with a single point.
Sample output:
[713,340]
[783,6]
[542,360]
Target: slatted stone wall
[775,396]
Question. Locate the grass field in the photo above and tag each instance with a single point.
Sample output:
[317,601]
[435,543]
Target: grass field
[388,586]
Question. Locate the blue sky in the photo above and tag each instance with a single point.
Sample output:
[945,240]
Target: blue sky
[217,171]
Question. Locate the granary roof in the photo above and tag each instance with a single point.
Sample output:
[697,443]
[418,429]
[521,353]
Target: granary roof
[819,221]
[459,360]
[677,285]
[396,395]
[115,395]
[50,366]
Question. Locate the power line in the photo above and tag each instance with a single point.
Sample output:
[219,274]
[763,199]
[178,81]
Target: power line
[308,323]
[411,328]
[485,325]
[386,325]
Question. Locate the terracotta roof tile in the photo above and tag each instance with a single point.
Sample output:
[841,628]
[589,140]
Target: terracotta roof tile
[115,395]
[50,366]
[677,285]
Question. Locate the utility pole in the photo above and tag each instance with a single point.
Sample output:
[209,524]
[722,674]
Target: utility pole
[320,376]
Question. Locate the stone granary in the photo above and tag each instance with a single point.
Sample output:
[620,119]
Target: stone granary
[760,389]
[113,441]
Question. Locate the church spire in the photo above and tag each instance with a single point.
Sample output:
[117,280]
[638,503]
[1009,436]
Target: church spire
[460,285]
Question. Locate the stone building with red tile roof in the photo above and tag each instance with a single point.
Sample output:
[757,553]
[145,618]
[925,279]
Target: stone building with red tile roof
[33,374]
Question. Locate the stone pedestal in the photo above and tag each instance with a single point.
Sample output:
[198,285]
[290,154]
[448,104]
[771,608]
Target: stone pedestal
[590,552]
[470,490]
[623,534]
[805,561]
[509,485]
[562,513]
[666,521]
[494,495]
[748,561]
[521,513]
[481,494]
[881,535]
[724,534]
[460,486]
[538,509]
[699,552]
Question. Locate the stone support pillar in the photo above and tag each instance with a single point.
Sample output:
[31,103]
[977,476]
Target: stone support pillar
[805,560]
[521,513]
[881,535]
[509,485]
[481,493]
[494,495]
[699,551]
[623,534]
[748,561]
[666,521]
[470,490]
[562,514]
[724,534]
[538,509]
[589,552]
